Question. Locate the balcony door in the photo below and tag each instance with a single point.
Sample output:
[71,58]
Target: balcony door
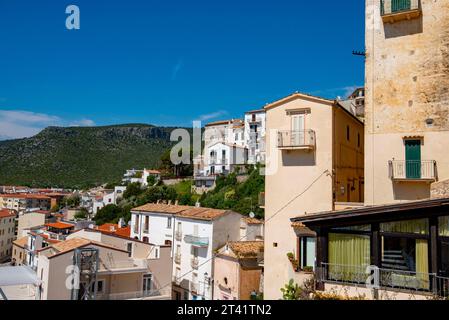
[413,159]
[298,124]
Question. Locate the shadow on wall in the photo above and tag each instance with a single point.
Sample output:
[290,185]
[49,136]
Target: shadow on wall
[403,28]
[294,158]
[411,191]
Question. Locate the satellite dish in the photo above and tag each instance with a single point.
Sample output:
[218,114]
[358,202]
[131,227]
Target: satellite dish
[251,214]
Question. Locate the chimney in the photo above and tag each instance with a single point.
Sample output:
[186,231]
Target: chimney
[176,202]
[121,223]
[169,202]
[198,204]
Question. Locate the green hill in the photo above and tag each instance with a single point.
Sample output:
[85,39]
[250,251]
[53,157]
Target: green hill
[78,157]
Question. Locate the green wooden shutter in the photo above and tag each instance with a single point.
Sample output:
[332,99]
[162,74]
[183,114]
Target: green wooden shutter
[413,159]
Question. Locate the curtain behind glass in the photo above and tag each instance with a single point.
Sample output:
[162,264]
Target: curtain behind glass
[422,263]
[348,257]
[420,226]
[443,226]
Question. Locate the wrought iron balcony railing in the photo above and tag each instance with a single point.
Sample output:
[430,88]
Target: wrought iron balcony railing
[396,10]
[296,139]
[412,170]
[197,241]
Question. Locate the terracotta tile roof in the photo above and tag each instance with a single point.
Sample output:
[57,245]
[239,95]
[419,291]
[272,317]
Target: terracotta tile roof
[68,245]
[246,249]
[153,171]
[74,243]
[25,196]
[249,220]
[114,229]
[21,242]
[6,213]
[183,211]
[60,225]
[296,225]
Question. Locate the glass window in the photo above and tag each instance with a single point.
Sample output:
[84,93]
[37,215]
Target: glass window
[443,226]
[308,246]
[349,254]
[405,262]
[420,226]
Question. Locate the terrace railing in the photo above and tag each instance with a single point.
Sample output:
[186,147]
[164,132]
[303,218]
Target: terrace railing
[304,139]
[412,170]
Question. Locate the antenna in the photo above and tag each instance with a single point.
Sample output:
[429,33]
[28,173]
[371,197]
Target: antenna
[359,53]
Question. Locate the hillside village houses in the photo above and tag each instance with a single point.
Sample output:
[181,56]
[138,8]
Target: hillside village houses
[229,146]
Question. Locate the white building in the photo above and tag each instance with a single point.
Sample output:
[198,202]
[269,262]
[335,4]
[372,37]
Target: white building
[225,158]
[255,135]
[194,233]
[7,230]
[140,176]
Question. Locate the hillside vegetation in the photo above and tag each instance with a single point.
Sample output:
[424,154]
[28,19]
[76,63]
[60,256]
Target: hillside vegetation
[80,157]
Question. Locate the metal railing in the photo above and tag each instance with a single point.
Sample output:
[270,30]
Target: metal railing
[197,241]
[194,263]
[388,7]
[296,139]
[412,170]
[388,279]
[129,295]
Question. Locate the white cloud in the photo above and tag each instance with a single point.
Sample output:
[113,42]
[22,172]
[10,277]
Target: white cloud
[176,68]
[213,115]
[20,124]
[82,123]
[343,92]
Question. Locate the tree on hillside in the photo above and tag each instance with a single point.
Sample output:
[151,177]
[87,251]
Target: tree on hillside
[133,190]
[109,214]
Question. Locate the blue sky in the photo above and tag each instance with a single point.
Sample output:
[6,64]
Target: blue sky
[169,62]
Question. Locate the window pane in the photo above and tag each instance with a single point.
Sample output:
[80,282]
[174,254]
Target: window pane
[405,263]
[348,257]
[420,226]
[443,225]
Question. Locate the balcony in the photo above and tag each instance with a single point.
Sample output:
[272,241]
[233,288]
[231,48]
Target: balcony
[197,241]
[178,235]
[397,10]
[178,258]
[411,170]
[296,140]
[194,263]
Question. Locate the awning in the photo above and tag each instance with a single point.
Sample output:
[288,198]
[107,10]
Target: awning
[20,275]
[302,231]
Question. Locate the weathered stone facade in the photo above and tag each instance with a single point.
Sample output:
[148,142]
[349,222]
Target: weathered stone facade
[407,96]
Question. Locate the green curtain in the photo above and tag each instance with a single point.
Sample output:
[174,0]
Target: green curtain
[422,263]
[420,226]
[348,256]
[443,225]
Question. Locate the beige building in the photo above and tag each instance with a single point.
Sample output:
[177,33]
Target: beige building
[119,275]
[7,228]
[314,163]
[238,273]
[32,219]
[407,100]
[25,201]
[19,253]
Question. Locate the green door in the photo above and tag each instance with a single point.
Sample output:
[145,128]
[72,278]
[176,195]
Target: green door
[413,159]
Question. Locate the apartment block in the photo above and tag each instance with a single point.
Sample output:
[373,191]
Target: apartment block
[7,229]
[194,234]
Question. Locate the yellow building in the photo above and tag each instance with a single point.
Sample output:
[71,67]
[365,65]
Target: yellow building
[314,163]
